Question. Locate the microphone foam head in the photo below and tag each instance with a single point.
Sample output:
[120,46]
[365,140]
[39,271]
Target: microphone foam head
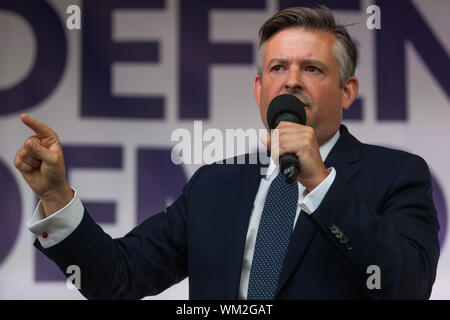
[285,107]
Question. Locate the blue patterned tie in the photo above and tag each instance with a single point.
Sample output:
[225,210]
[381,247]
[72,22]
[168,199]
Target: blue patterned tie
[272,240]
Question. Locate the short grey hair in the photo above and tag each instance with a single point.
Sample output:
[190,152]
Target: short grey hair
[312,19]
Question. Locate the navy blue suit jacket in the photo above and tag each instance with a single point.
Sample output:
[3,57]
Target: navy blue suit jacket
[378,211]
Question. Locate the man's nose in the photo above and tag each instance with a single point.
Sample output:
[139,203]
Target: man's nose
[294,80]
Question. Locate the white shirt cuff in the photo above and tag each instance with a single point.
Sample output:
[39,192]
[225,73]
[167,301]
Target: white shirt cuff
[309,202]
[58,226]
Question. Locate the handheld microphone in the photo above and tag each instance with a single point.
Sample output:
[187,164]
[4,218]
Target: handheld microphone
[287,107]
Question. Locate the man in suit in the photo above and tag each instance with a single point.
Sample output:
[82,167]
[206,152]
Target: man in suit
[354,208]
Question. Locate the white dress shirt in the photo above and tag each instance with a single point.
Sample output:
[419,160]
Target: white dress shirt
[61,224]
[308,202]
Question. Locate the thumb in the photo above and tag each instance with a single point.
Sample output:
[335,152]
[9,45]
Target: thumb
[40,152]
[273,145]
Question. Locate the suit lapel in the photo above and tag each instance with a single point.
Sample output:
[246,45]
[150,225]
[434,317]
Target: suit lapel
[241,193]
[344,158]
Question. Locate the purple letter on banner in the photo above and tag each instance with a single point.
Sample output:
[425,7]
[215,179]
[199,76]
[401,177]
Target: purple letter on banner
[102,212]
[441,208]
[49,62]
[401,22]
[11,211]
[98,55]
[197,53]
[159,181]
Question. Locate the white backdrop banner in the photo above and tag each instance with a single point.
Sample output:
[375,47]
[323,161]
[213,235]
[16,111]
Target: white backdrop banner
[116,78]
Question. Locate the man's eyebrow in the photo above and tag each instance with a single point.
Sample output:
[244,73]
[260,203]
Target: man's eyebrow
[303,62]
[277,60]
[314,62]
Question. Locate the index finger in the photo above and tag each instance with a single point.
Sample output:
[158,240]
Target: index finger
[41,130]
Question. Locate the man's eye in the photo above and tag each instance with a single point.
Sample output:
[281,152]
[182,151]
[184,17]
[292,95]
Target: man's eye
[277,68]
[312,69]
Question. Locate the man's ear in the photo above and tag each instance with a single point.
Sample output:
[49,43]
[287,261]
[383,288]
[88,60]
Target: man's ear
[257,89]
[349,92]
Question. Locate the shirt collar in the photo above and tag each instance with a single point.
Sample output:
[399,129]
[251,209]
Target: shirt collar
[324,151]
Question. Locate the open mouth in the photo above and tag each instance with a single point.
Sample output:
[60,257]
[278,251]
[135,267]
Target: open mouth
[304,103]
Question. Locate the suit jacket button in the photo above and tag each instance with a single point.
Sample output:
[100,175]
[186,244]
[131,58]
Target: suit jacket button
[339,235]
[349,246]
[334,230]
[330,225]
[343,240]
